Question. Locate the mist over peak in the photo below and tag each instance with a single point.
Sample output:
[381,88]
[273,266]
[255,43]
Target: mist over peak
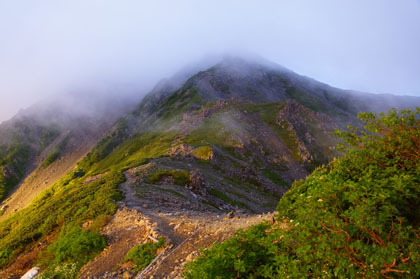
[365,46]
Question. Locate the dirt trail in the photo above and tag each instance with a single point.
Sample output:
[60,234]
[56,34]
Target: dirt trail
[159,221]
[186,232]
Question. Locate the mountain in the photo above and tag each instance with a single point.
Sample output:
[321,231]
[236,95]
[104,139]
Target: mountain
[44,142]
[228,139]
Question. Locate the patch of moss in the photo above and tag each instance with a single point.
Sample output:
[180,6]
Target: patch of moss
[204,152]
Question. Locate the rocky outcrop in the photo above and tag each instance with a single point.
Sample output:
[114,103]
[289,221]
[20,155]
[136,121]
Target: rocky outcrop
[181,150]
[197,183]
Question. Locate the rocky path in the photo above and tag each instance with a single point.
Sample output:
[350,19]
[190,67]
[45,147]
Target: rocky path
[186,232]
[159,222]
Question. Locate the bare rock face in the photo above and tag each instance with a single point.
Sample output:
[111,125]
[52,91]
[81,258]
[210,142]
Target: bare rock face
[181,150]
[197,183]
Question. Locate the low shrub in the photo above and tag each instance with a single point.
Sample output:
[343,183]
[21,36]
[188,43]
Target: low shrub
[75,245]
[144,254]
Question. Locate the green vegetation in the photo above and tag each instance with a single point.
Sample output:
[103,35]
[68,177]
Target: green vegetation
[144,254]
[275,178]
[12,167]
[306,99]
[204,152]
[69,203]
[215,131]
[242,256]
[220,86]
[173,192]
[17,150]
[47,137]
[75,246]
[358,217]
[220,195]
[56,152]
[134,152]
[180,177]
[268,113]
[106,145]
[179,102]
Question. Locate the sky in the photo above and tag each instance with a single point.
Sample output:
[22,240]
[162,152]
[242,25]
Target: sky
[54,47]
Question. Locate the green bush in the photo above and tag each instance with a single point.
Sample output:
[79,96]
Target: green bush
[358,217]
[239,257]
[144,254]
[75,245]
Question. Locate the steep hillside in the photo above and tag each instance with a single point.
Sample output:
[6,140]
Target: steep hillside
[41,144]
[231,138]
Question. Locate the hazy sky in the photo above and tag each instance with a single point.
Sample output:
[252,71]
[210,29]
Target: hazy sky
[51,47]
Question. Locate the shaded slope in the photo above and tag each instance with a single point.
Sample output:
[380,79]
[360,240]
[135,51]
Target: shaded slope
[41,144]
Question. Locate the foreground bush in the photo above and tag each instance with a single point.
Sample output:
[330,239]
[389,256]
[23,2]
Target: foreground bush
[144,254]
[358,217]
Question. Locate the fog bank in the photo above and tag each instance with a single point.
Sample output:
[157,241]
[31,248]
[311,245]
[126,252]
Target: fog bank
[52,47]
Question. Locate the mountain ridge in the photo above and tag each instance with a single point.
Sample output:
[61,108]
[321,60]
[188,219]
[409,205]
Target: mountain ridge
[231,138]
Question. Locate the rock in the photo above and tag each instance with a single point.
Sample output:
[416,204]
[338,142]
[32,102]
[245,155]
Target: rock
[230,215]
[189,257]
[197,183]
[182,149]
[177,226]
[127,275]
[31,273]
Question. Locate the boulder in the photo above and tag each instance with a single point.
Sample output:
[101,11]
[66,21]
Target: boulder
[31,273]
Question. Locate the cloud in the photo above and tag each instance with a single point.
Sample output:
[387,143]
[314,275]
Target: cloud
[52,47]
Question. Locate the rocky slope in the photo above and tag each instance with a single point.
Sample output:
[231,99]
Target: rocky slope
[231,138]
[41,144]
